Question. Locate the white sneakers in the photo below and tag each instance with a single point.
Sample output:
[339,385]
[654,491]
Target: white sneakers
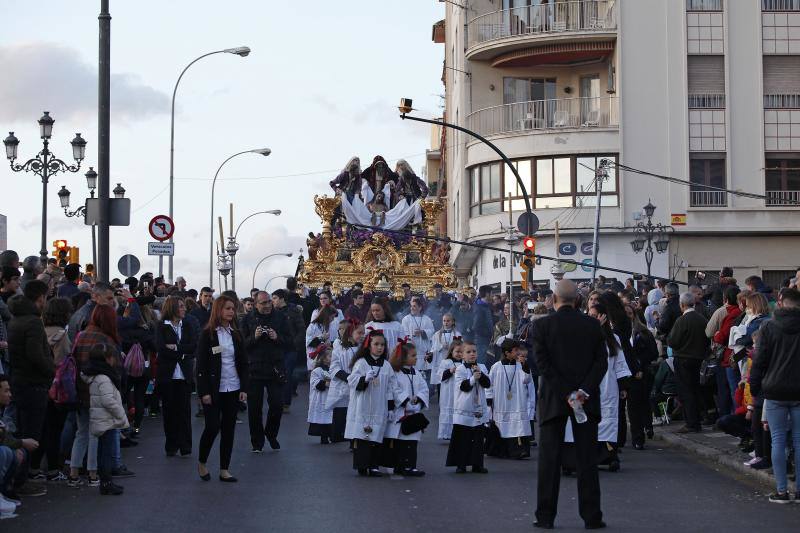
[7,508]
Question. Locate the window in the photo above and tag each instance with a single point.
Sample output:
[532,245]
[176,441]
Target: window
[704,5]
[487,196]
[707,175]
[783,180]
[528,89]
[780,5]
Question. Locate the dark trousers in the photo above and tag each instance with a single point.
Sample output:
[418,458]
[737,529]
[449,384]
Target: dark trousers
[339,423]
[638,409]
[723,392]
[622,424]
[51,436]
[551,438]
[762,441]
[687,372]
[406,454]
[31,404]
[139,386]
[177,413]
[289,360]
[734,425]
[105,455]
[366,454]
[466,446]
[220,416]
[255,409]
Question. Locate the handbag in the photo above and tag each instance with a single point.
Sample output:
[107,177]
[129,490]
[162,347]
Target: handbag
[413,423]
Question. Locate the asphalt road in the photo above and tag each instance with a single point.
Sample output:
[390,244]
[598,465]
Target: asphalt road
[309,487]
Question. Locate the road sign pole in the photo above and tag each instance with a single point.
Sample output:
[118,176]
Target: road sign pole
[160,266]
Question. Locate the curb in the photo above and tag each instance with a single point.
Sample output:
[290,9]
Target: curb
[721,457]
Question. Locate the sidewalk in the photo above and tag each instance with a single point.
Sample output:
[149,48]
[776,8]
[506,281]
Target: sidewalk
[713,445]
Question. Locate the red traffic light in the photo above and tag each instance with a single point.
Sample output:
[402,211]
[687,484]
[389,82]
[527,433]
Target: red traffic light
[60,244]
[529,243]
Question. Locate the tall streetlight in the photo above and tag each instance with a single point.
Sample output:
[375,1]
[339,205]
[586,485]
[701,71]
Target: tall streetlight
[45,165]
[273,278]
[289,254]
[241,51]
[649,234]
[261,151]
[233,246]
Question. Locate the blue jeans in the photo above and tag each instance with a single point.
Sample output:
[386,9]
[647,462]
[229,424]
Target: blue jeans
[783,417]
[85,444]
[289,360]
[8,463]
[733,377]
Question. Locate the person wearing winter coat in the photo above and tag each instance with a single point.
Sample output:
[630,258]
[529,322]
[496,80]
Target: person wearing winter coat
[106,413]
[775,375]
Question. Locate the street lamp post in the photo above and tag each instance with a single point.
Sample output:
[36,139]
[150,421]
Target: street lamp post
[261,151]
[648,234]
[224,266]
[273,278]
[288,254]
[45,165]
[233,245]
[241,51]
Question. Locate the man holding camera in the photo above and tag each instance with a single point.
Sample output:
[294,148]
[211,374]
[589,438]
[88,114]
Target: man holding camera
[266,338]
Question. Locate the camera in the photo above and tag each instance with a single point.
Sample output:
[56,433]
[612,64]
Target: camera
[531,306]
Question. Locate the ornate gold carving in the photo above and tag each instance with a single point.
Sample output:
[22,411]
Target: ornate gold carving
[378,263]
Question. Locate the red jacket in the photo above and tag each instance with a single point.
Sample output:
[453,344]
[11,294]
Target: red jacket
[721,336]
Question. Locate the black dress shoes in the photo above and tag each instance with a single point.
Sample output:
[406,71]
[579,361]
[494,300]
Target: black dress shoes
[229,479]
[543,525]
[596,525]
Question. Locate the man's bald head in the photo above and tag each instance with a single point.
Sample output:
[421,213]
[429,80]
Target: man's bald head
[565,293]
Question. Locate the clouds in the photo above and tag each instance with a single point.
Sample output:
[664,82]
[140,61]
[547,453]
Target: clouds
[54,77]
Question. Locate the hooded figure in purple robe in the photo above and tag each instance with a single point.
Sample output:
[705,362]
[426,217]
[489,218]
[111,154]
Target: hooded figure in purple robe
[378,175]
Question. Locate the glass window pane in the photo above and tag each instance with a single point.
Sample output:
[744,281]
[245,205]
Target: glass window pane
[491,208]
[717,173]
[585,175]
[697,171]
[554,201]
[511,185]
[476,190]
[485,183]
[611,200]
[494,189]
[611,183]
[562,174]
[475,211]
[544,176]
[606,200]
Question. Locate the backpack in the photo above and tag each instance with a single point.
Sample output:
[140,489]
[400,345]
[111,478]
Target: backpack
[133,361]
[64,391]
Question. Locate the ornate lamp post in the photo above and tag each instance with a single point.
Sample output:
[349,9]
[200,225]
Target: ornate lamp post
[648,234]
[45,165]
[224,266]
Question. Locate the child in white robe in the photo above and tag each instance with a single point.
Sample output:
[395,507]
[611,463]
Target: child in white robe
[372,388]
[320,417]
[447,372]
[344,351]
[380,317]
[419,329]
[508,397]
[440,346]
[470,414]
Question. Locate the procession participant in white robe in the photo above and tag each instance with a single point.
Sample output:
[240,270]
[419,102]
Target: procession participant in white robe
[380,317]
[508,399]
[372,387]
[447,372]
[531,387]
[339,392]
[614,385]
[321,330]
[419,329]
[470,414]
[320,417]
[440,347]
[411,398]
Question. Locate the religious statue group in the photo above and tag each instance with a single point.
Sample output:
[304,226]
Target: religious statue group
[378,196]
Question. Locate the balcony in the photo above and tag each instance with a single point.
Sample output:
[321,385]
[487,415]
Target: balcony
[783,198]
[546,115]
[554,33]
[708,199]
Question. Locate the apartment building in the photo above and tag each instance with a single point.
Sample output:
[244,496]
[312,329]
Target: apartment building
[706,91]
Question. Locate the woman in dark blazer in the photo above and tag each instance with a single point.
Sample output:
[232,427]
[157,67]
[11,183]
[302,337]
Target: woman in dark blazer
[176,343]
[222,374]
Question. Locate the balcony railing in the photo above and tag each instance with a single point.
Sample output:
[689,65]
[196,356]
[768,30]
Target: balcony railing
[704,5]
[708,199]
[546,114]
[782,101]
[776,198]
[707,101]
[558,17]
[780,5]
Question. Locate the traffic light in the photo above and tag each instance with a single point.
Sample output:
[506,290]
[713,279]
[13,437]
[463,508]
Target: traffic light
[528,261]
[58,246]
[74,255]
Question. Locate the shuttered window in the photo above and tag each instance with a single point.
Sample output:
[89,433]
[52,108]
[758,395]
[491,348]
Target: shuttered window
[706,74]
[781,74]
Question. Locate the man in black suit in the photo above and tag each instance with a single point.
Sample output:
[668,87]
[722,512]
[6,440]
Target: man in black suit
[571,355]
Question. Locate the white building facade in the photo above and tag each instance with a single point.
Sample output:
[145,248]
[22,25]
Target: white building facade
[707,91]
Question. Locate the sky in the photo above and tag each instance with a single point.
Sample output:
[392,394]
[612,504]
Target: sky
[322,84]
